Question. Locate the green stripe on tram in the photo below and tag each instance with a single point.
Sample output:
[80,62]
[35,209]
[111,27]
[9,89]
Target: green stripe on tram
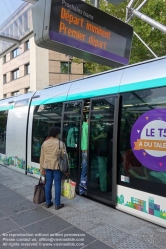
[6,108]
[94,93]
[48,101]
[105,91]
[143,85]
[82,95]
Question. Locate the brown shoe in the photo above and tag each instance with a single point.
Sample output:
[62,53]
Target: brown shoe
[58,207]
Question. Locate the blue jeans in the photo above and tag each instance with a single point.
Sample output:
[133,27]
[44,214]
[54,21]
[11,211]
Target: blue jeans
[51,175]
[84,167]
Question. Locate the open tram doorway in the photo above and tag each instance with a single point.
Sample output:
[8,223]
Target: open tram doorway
[74,114]
[103,149]
[100,183]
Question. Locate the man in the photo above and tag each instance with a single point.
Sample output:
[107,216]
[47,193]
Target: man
[99,139]
[72,144]
[84,148]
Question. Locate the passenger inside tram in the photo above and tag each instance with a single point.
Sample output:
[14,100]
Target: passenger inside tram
[99,140]
[84,151]
[72,144]
[132,167]
[36,146]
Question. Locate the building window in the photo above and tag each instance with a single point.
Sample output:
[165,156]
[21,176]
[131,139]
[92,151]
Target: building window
[65,67]
[27,90]
[15,52]
[4,96]
[27,45]
[27,69]
[15,93]
[4,78]
[4,59]
[15,74]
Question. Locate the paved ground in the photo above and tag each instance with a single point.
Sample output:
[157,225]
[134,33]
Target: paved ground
[82,223]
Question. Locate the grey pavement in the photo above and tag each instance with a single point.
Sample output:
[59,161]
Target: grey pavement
[82,223]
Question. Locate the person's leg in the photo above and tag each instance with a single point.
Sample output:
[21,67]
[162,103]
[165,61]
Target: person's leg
[102,161]
[48,186]
[72,150]
[84,167]
[57,183]
[83,178]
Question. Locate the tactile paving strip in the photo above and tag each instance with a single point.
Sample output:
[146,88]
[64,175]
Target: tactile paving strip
[152,234]
[65,213]
[84,221]
[29,197]
[16,186]
[118,220]
[25,191]
[132,243]
[108,234]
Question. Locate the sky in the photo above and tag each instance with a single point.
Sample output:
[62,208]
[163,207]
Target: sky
[7,7]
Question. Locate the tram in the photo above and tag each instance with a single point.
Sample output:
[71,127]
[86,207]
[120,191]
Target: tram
[126,109]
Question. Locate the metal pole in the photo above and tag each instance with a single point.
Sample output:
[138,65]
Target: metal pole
[127,20]
[138,8]
[96,3]
[128,7]
[149,20]
[9,39]
[141,5]
[145,44]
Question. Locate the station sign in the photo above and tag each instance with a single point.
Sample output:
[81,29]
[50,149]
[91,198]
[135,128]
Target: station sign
[76,28]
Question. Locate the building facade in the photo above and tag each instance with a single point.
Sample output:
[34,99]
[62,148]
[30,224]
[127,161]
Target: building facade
[26,67]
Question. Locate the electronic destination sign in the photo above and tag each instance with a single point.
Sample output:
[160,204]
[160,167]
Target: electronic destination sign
[75,28]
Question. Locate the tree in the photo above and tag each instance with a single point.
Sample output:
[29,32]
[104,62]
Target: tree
[154,38]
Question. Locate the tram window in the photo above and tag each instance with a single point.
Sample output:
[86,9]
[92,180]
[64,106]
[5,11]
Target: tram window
[71,133]
[45,116]
[20,103]
[143,170]
[72,115]
[3,125]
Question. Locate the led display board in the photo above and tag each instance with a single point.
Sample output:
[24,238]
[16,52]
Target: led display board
[75,28]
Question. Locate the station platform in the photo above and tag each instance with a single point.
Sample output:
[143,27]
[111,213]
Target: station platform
[82,223]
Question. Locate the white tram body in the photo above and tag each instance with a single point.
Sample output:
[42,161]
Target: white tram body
[128,94]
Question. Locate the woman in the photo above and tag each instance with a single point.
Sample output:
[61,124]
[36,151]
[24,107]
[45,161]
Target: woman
[49,166]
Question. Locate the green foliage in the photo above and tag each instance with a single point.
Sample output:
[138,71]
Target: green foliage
[154,38]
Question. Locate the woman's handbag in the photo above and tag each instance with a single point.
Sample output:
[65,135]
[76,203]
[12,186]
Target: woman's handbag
[39,192]
[68,189]
[63,161]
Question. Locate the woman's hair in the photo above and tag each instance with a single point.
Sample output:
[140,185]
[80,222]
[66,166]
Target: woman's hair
[54,131]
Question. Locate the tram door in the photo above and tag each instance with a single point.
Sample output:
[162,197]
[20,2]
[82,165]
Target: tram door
[101,120]
[100,170]
[71,134]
